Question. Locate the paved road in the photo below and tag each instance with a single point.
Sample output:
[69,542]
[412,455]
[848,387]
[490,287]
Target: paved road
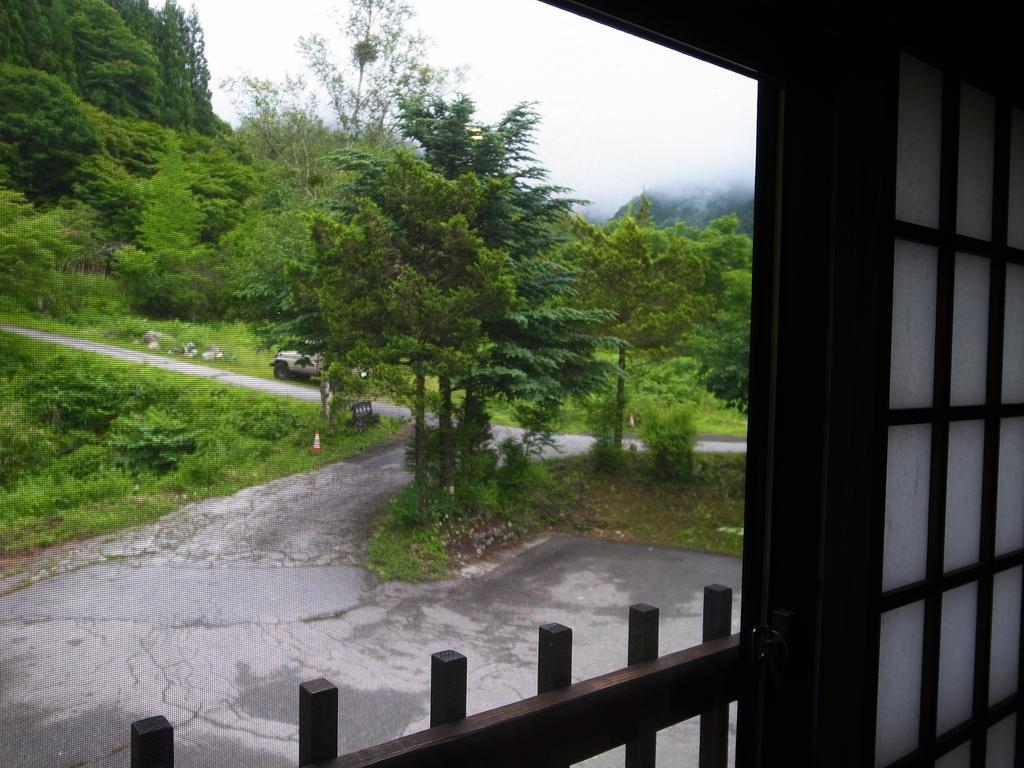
[218,642]
[215,613]
[564,444]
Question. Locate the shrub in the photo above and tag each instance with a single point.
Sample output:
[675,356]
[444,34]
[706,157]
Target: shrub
[265,420]
[87,460]
[515,463]
[601,417]
[605,456]
[416,507]
[668,433]
[24,445]
[478,498]
[218,460]
[77,395]
[156,441]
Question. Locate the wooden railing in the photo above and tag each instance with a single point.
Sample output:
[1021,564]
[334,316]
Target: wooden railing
[561,725]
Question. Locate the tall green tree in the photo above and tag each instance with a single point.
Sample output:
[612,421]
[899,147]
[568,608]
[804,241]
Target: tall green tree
[62,42]
[164,275]
[115,69]
[721,340]
[171,46]
[139,17]
[648,278]
[543,349]
[405,282]
[45,133]
[30,244]
[282,130]
[25,34]
[203,118]
[381,59]
[37,245]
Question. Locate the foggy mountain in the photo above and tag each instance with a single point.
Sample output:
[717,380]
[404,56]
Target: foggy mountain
[697,207]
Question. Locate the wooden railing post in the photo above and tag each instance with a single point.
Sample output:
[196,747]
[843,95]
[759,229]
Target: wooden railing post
[643,646]
[318,721]
[447,687]
[714,724]
[152,743]
[554,658]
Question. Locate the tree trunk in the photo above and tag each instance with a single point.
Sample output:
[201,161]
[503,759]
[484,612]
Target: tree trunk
[620,398]
[446,434]
[325,399]
[473,426]
[420,434]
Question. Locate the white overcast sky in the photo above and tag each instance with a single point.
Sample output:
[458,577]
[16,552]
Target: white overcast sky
[620,114]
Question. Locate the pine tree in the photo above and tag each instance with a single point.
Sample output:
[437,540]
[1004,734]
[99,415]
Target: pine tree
[62,40]
[138,16]
[203,118]
[406,282]
[162,277]
[45,133]
[24,35]
[171,43]
[116,70]
[650,278]
[542,351]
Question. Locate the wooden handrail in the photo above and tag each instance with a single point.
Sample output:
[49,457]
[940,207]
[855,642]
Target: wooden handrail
[571,724]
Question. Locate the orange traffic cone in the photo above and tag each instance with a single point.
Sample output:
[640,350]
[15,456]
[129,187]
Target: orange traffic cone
[316,442]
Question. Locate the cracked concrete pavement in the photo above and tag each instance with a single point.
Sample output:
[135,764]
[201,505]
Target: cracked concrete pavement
[219,645]
[214,614]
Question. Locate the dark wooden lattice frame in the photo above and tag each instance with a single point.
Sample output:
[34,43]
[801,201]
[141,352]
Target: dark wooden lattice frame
[939,417]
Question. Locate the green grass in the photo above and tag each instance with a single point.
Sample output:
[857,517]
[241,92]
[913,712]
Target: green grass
[406,543]
[565,496]
[241,347]
[663,381]
[710,416]
[400,553]
[705,513]
[672,380]
[96,445]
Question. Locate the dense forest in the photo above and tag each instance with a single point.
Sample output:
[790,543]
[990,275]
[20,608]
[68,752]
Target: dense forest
[697,208]
[400,235]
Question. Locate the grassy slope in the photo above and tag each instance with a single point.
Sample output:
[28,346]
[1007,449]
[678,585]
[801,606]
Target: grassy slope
[243,354]
[241,347]
[569,496]
[71,466]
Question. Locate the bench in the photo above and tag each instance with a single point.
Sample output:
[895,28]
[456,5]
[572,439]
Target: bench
[363,415]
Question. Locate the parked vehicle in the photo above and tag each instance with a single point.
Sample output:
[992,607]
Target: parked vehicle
[288,364]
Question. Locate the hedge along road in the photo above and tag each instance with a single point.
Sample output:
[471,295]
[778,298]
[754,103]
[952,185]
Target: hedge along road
[564,445]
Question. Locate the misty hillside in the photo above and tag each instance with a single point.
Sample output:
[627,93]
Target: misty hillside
[697,208]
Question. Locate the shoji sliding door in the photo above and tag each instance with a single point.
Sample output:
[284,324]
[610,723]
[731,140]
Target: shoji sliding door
[952,532]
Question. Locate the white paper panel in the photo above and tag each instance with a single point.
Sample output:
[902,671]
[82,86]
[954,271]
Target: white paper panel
[1000,747]
[905,545]
[958,758]
[913,325]
[919,149]
[956,657]
[963,493]
[1010,493]
[1015,226]
[970,330]
[977,161]
[1013,336]
[1005,635]
[899,682]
